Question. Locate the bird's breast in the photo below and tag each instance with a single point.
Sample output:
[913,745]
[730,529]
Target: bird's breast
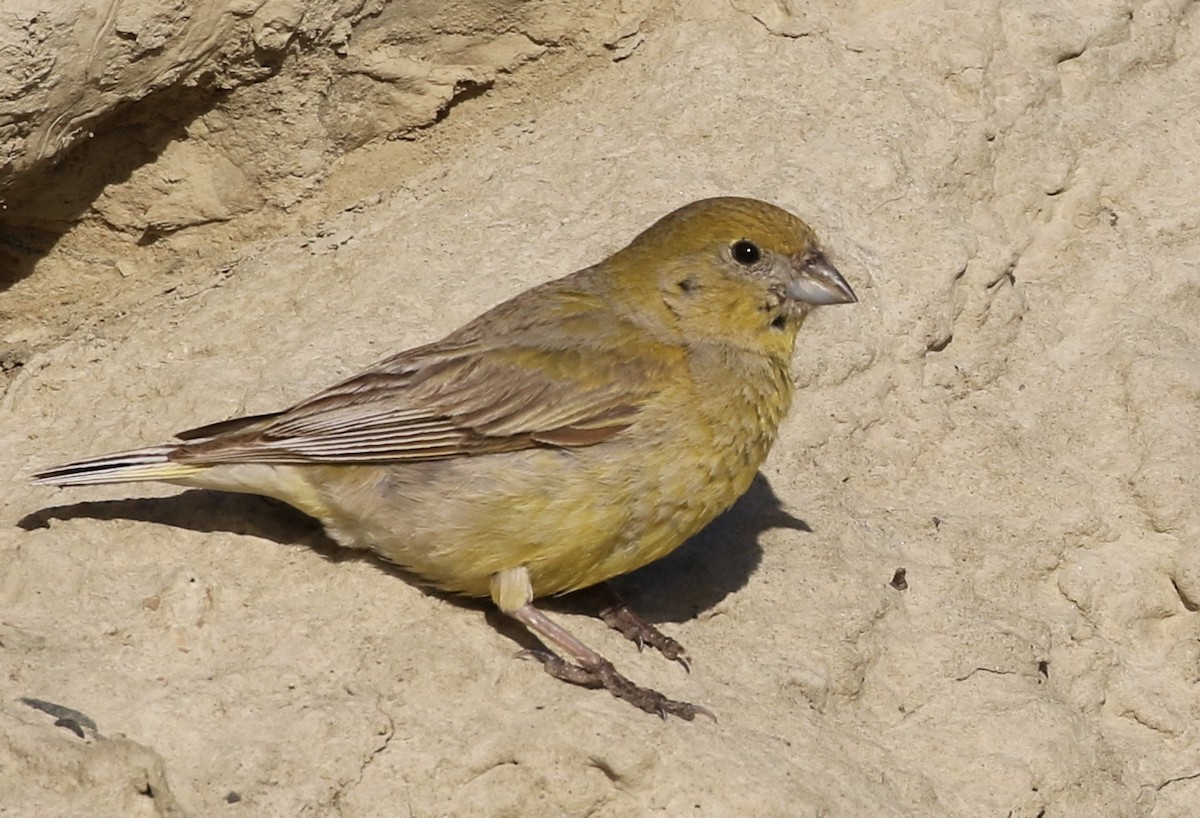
[699,452]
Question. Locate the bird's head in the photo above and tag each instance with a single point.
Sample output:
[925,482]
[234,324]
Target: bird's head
[731,269]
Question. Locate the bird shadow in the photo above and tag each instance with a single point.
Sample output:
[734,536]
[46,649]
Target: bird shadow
[694,578]
[203,511]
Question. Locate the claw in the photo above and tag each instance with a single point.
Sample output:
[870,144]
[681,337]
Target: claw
[606,676]
[622,619]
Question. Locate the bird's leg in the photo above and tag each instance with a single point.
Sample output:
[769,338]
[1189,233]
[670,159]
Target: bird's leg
[513,595]
[590,669]
[620,617]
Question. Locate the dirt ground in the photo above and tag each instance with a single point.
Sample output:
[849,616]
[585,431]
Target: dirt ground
[1010,415]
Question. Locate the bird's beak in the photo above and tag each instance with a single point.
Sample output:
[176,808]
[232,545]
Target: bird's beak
[818,282]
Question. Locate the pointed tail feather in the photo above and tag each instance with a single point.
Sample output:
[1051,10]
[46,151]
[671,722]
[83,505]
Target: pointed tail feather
[151,463]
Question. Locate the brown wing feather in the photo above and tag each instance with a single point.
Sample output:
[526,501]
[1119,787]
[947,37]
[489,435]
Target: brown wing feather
[447,400]
[223,427]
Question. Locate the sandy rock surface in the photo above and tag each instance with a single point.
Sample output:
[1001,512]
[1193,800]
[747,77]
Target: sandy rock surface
[1010,415]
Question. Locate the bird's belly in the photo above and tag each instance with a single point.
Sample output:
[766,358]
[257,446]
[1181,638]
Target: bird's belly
[572,517]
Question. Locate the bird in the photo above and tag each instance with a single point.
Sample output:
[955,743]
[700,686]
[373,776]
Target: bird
[574,433]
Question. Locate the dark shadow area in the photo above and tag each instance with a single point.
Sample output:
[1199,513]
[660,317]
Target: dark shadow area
[203,511]
[703,571]
[44,204]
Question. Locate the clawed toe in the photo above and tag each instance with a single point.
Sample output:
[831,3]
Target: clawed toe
[560,668]
[621,618]
[606,676]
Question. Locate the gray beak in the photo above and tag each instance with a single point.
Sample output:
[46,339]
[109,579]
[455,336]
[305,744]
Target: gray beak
[818,282]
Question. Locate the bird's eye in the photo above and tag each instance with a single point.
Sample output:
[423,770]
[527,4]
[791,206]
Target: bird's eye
[745,252]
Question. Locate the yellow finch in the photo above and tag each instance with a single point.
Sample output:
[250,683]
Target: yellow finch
[572,434]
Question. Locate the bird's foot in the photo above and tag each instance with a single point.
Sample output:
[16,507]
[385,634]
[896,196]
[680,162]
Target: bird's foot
[602,674]
[620,617]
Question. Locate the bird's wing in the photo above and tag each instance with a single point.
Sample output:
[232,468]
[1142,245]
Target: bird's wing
[446,400]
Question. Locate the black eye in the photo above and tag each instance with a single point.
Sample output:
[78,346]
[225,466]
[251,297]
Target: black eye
[745,252]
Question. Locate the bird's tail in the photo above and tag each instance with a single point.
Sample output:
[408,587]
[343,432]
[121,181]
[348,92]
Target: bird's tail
[152,463]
